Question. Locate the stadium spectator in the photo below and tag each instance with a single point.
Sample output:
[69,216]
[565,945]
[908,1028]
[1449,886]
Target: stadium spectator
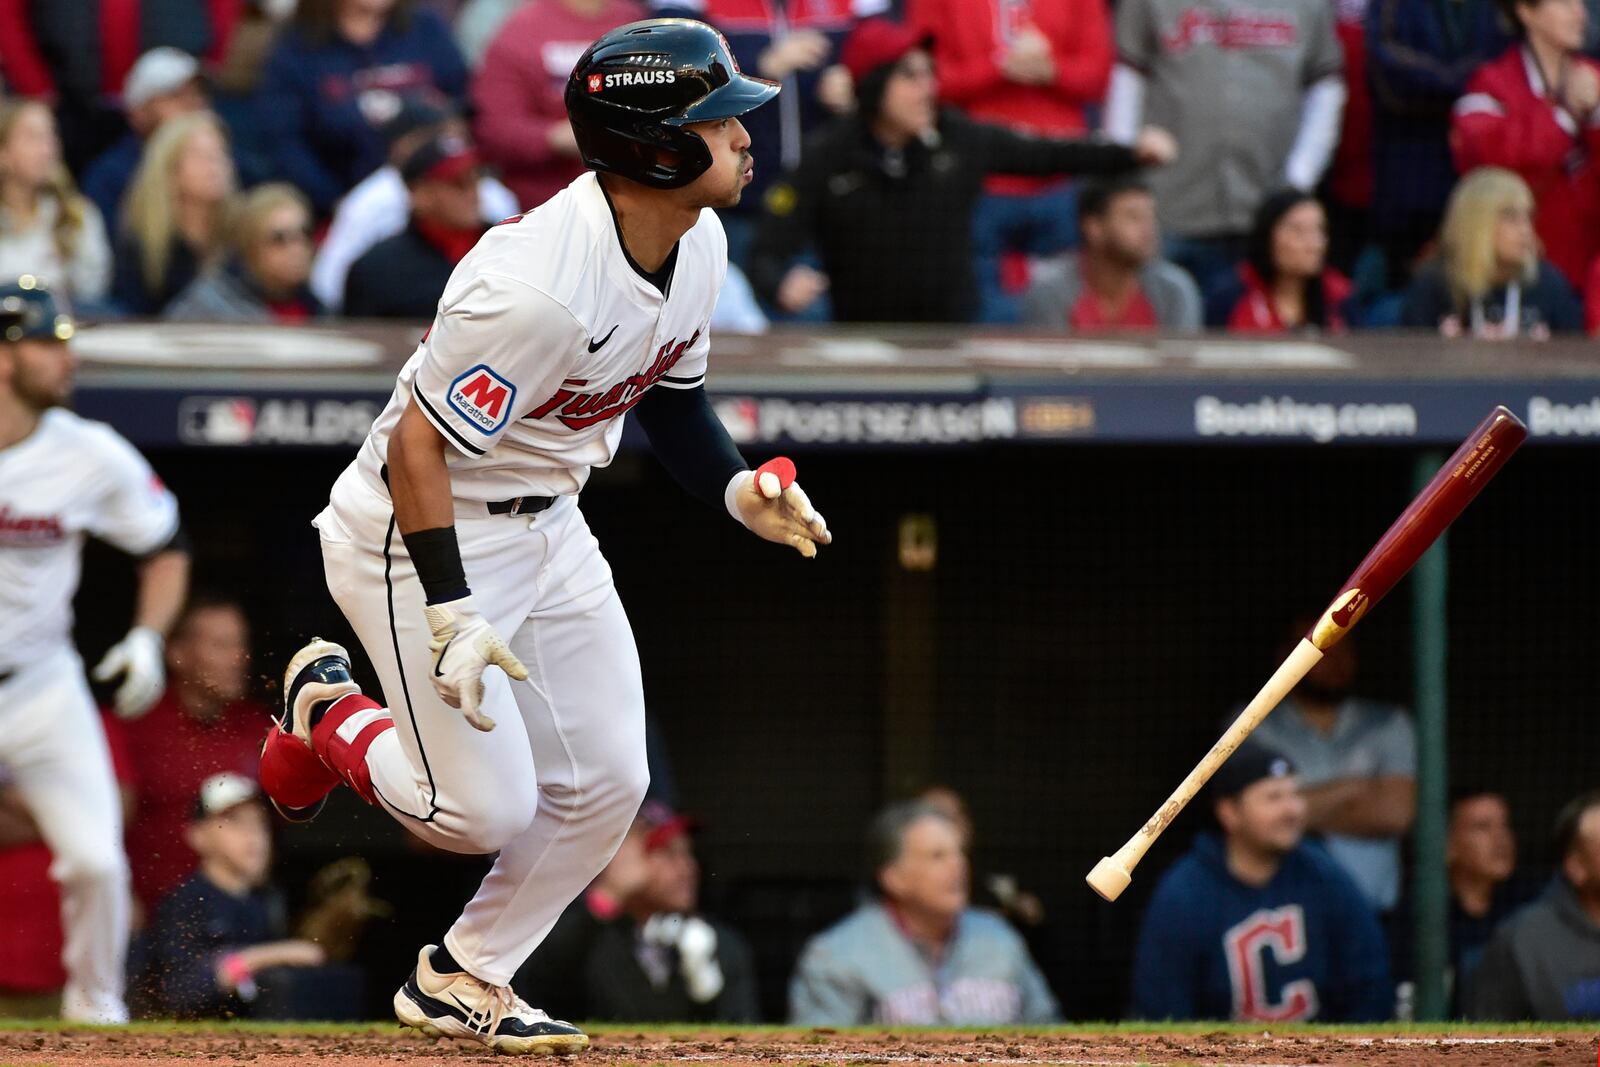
[269,263]
[636,946]
[1544,963]
[78,56]
[795,43]
[1591,300]
[1357,766]
[164,83]
[1258,924]
[339,71]
[478,24]
[1536,111]
[380,206]
[175,220]
[47,228]
[1285,284]
[1032,66]
[1254,96]
[1481,857]
[1420,54]
[204,723]
[522,122]
[218,939]
[1117,279]
[886,195]
[918,954]
[1488,280]
[404,276]
[31,968]
[1350,175]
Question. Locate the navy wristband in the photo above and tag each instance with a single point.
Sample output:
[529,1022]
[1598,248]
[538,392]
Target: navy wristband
[436,555]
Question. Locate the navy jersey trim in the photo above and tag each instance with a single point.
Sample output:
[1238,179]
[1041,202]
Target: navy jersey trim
[444,427]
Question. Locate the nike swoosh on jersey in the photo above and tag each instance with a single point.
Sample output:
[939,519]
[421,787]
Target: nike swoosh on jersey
[595,346]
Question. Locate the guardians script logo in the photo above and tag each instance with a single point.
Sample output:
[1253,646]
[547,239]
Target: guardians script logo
[578,410]
[25,530]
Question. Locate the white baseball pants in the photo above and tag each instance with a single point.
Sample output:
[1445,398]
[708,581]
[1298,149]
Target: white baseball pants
[54,751]
[554,787]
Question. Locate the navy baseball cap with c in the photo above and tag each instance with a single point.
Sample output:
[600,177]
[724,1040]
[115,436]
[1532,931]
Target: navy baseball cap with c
[1253,762]
[29,313]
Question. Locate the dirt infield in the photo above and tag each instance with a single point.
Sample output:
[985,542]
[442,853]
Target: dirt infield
[625,1048]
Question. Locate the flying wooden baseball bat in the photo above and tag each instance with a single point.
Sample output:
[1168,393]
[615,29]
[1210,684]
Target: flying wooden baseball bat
[1462,477]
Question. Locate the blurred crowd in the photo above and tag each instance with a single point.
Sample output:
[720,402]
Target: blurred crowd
[1263,167]
[1291,902]
[1064,165]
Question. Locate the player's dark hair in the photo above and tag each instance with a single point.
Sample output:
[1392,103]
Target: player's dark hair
[1460,794]
[886,834]
[1096,197]
[1259,254]
[1565,837]
[205,601]
[1507,10]
[318,19]
[870,90]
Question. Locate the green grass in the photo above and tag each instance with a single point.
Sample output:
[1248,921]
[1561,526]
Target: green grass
[1460,1029]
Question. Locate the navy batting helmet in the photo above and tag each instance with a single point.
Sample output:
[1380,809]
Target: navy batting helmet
[635,89]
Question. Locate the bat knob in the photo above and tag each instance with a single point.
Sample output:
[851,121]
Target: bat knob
[1109,879]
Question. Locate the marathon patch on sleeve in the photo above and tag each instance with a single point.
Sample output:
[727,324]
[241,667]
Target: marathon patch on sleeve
[483,398]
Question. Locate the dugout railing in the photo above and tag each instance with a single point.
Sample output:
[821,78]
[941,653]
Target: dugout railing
[1060,563]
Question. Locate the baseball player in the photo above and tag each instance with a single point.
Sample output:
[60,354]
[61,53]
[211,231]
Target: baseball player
[63,478]
[454,543]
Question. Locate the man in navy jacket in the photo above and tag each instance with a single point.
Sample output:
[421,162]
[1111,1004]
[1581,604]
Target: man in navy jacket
[1258,924]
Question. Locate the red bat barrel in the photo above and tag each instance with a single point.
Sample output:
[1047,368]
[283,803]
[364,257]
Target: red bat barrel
[1462,477]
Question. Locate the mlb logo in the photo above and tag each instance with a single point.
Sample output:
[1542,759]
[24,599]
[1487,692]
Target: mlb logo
[597,82]
[216,420]
[483,398]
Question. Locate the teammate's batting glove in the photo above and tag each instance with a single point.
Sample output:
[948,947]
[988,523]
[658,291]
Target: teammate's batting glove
[773,506]
[138,659]
[463,645]
[696,942]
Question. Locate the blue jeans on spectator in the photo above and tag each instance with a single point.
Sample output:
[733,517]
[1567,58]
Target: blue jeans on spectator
[1040,224]
[1211,261]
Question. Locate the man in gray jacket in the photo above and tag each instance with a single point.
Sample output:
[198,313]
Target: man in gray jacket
[918,954]
[1544,963]
[1116,281]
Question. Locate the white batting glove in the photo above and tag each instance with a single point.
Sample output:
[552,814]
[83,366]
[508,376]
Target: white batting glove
[138,659]
[463,645]
[696,942]
[772,505]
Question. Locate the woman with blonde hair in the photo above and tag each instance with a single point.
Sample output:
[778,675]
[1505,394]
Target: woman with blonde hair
[174,214]
[1489,280]
[264,277]
[47,228]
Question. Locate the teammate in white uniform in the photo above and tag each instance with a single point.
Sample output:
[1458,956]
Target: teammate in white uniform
[454,541]
[62,479]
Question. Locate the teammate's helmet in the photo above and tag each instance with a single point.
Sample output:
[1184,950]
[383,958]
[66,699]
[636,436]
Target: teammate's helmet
[29,313]
[635,89]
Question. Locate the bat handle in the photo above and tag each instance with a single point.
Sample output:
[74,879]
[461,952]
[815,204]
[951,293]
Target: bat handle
[1114,873]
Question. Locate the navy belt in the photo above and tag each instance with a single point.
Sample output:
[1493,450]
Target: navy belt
[517,505]
[522,505]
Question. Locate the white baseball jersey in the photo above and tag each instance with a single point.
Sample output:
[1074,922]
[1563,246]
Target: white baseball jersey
[68,479]
[546,335]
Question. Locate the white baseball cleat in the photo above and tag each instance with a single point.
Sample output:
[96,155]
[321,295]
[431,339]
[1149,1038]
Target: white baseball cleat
[461,1006]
